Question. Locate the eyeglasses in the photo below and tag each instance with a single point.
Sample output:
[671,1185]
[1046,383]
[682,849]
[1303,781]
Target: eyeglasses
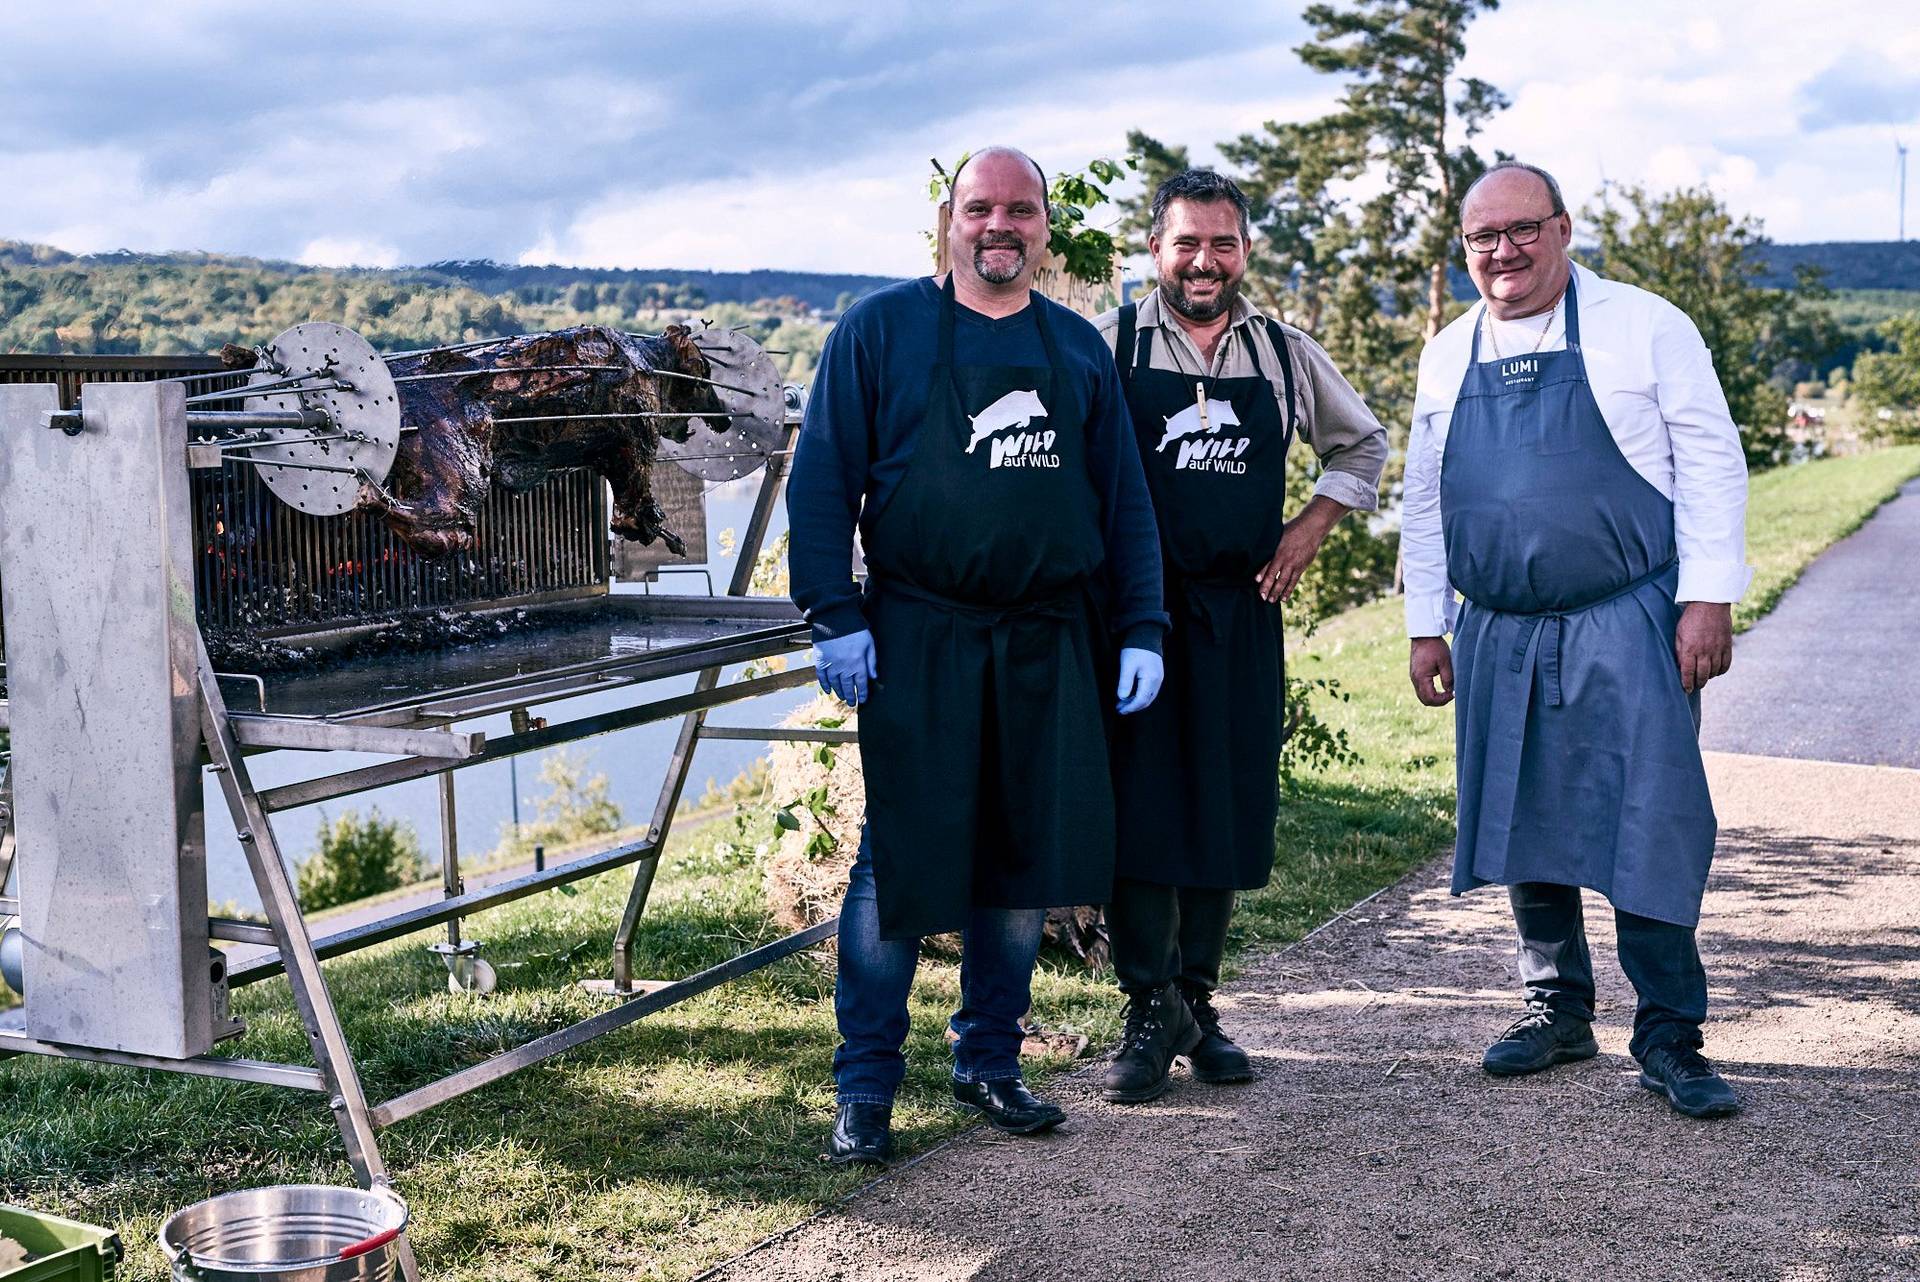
[1517,234]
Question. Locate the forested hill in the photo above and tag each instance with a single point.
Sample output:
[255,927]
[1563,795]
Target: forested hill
[1845,264]
[53,301]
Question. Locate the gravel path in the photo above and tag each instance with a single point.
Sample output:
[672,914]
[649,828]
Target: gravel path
[1829,674]
[1373,1148]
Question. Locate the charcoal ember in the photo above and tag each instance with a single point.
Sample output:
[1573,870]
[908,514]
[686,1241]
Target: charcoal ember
[458,437]
[235,650]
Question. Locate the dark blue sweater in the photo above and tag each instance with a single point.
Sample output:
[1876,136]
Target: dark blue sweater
[866,403]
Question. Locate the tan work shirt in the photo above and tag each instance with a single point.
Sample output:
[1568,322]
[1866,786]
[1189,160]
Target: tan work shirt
[1334,422]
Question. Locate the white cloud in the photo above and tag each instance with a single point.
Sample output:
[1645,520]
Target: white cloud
[335,251]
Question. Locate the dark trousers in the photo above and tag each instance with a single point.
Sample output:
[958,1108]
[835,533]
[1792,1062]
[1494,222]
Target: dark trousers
[1661,959]
[1162,933]
[876,978]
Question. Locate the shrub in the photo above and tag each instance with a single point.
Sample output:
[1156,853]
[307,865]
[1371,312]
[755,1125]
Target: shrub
[575,808]
[359,857]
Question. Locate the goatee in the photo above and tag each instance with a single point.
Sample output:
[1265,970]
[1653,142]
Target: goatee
[999,275]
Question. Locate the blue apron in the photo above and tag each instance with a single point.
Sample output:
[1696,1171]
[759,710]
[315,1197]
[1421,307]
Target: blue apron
[1579,763]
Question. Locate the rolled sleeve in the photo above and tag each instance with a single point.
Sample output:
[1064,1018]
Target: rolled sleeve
[1709,465]
[1342,432]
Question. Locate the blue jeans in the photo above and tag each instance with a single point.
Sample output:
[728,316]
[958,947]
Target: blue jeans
[876,975]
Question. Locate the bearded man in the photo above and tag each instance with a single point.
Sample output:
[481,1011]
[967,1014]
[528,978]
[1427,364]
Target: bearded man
[1217,392]
[976,434]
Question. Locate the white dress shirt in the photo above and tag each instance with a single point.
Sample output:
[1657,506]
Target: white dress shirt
[1653,379]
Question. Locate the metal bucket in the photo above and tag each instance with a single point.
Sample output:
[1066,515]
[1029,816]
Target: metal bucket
[288,1233]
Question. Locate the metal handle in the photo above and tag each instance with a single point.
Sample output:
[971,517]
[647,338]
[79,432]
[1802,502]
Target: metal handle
[373,1243]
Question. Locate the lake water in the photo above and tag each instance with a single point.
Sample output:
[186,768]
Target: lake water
[634,761]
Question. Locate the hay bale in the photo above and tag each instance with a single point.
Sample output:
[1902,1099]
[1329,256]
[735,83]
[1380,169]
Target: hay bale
[805,887]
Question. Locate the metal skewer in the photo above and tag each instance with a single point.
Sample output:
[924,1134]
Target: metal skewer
[499,369]
[561,418]
[286,387]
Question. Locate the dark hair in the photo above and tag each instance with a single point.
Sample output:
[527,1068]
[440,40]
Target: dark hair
[1553,188]
[953,184]
[1202,186]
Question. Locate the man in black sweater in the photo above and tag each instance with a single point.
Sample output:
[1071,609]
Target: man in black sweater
[977,436]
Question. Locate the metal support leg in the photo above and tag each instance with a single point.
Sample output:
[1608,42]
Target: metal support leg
[310,996]
[450,853]
[681,763]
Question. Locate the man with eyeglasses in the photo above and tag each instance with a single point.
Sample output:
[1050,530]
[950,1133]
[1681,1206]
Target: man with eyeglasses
[1574,474]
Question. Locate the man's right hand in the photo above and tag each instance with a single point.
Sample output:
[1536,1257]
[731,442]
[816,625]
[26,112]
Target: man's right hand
[845,665]
[1431,667]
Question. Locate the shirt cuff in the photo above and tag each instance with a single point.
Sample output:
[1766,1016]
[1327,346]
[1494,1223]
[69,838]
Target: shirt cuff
[1430,614]
[1345,487]
[1721,581]
[839,620]
[1143,636]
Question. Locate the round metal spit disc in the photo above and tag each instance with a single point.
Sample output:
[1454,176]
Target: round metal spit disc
[364,419]
[720,449]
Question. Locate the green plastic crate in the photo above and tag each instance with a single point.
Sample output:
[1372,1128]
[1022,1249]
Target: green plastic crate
[65,1251]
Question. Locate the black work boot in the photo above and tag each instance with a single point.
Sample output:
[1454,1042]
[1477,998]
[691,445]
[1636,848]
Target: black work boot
[862,1135]
[1683,1075]
[1216,1060]
[1159,1027]
[1540,1039]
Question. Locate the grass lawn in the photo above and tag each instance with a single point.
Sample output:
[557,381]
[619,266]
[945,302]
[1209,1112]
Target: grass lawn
[662,1149]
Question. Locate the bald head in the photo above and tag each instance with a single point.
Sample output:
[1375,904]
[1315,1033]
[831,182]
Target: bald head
[1001,160]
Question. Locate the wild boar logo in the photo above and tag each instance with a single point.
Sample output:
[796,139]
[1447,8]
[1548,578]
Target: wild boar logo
[1187,422]
[1015,409]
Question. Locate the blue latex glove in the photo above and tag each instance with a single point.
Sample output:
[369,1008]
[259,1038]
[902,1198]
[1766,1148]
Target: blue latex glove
[1141,673]
[845,665]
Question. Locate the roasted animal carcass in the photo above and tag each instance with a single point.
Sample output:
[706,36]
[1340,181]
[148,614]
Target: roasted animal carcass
[586,397]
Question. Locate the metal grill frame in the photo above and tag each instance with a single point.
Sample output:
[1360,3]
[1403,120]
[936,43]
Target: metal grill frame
[428,741]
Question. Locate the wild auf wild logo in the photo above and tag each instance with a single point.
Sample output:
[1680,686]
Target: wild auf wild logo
[1202,447]
[1013,413]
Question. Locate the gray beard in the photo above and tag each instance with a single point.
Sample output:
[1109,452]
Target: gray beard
[1176,296]
[995,276]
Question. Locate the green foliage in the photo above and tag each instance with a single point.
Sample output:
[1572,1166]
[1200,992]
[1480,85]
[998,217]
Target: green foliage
[1086,252]
[359,857]
[1157,162]
[1312,744]
[1686,247]
[575,808]
[747,788]
[1887,384]
[814,802]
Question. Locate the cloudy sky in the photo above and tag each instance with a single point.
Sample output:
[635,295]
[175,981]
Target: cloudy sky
[727,134]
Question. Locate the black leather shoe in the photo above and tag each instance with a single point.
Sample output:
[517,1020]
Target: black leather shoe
[1159,1027]
[862,1135]
[1009,1106]
[1216,1060]
[1540,1039]
[1683,1075]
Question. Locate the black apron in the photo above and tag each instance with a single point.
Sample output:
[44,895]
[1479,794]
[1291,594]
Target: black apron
[1197,773]
[981,739]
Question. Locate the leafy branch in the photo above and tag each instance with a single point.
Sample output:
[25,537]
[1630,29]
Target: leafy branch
[1085,252]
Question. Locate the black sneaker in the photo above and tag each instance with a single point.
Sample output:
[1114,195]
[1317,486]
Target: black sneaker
[1216,1060]
[1540,1039]
[1683,1075]
[1159,1027]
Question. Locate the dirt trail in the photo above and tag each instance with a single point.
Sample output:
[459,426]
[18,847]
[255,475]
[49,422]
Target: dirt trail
[1373,1148]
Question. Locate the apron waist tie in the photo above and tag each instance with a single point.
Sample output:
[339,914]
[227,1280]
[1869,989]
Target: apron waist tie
[1551,620]
[1063,605]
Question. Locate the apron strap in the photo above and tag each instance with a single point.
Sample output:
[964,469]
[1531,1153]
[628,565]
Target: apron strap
[949,308]
[1123,346]
[1281,346]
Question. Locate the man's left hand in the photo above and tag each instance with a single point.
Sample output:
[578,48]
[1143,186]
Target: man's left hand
[1300,541]
[1703,643]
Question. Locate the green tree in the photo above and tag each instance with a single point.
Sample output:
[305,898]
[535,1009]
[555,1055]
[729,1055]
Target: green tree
[1887,384]
[1686,247]
[1157,163]
[1402,101]
[576,806]
[359,857]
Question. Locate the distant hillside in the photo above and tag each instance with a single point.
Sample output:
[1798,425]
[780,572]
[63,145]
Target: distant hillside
[1879,265]
[52,301]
